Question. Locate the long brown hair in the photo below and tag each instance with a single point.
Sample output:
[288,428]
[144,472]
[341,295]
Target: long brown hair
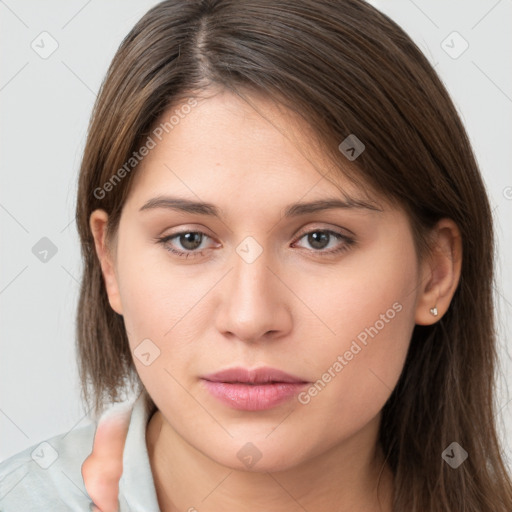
[345,68]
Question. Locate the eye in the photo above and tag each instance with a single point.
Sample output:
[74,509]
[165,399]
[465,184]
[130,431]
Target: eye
[319,239]
[190,241]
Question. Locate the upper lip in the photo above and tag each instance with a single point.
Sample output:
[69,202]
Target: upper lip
[263,375]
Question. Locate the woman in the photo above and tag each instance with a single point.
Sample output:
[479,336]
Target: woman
[288,256]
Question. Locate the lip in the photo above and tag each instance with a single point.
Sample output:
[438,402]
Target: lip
[253,390]
[262,375]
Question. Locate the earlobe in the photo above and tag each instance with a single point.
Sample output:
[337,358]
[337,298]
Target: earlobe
[440,273]
[98,225]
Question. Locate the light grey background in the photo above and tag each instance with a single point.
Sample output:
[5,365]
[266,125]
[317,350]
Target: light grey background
[46,104]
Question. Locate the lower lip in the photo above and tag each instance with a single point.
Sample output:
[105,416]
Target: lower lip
[252,397]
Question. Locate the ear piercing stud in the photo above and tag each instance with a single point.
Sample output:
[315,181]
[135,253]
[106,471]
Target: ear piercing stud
[433,311]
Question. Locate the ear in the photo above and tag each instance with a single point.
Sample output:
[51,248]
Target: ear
[440,272]
[98,225]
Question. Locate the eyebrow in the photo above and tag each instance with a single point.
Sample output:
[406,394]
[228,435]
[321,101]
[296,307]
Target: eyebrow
[292,210]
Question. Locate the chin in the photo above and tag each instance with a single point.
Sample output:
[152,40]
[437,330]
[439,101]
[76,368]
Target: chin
[258,457]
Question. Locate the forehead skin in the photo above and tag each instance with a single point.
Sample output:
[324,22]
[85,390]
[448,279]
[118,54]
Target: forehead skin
[204,151]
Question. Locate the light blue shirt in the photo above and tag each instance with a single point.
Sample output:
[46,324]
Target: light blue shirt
[47,476]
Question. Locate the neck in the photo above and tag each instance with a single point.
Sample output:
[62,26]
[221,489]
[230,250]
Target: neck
[351,476]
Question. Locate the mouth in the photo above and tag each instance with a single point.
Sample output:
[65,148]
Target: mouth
[253,390]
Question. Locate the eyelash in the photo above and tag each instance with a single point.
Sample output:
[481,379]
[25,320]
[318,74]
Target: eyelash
[348,242]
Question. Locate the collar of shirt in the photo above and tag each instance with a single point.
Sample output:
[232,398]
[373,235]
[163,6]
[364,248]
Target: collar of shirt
[136,488]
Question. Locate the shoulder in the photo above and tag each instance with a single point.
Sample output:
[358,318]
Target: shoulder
[47,475]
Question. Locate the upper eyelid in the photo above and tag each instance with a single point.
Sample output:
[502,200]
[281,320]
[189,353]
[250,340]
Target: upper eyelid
[317,225]
[329,229]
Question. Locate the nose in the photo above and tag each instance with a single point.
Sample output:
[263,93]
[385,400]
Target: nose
[255,302]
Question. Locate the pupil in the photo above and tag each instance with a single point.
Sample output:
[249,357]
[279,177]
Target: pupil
[191,241]
[313,239]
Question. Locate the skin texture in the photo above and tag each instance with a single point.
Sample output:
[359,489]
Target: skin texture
[291,309]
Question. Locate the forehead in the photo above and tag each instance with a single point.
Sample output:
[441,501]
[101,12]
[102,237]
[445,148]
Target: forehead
[225,149]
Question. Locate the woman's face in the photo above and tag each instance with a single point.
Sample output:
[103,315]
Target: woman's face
[326,295]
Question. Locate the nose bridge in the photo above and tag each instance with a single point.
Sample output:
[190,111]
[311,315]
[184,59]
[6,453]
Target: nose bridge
[253,284]
[252,279]
[254,303]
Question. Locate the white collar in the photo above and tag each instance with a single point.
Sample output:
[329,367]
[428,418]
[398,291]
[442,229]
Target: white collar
[137,491]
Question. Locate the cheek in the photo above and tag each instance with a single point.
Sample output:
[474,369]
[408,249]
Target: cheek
[148,303]
[357,362]
[154,316]
[152,295]
[164,311]
[153,302]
